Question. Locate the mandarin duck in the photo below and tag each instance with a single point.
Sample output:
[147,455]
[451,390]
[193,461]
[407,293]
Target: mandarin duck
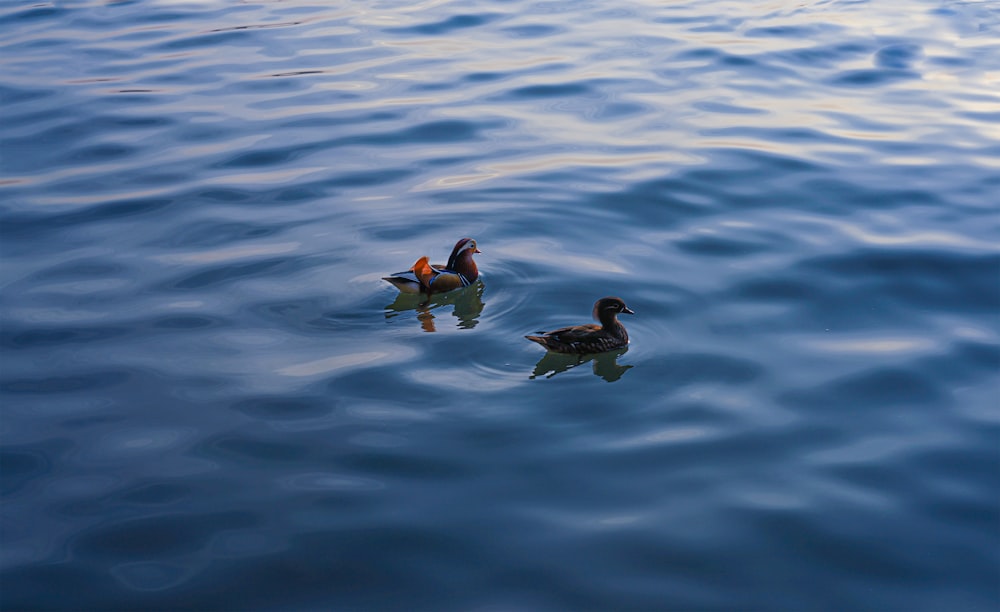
[460,271]
[590,338]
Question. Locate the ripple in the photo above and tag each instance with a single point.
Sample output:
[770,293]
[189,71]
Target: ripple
[20,467]
[158,536]
[884,387]
[252,450]
[388,413]
[283,408]
[38,225]
[340,363]
[898,57]
[546,91]
[151,575]
[478,376]
[329,482]
[246,544]
[186,322]
[710,245]
[209,276]
[59,336]
[133,441]
[670,436]
[161,493]
[870,345]
[64,384]
[726,108]
[929,277]
[533,30]
[872,77]
[455,22]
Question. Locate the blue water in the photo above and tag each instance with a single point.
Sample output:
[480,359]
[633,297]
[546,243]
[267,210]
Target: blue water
[211,400]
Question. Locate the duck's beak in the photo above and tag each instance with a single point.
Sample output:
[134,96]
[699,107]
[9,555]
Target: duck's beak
[477,251]
[628,310]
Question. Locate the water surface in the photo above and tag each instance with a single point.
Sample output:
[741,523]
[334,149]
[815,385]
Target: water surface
[211,400]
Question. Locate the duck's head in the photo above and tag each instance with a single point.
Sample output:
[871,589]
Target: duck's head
[465,247]
[465,244]
[610,307]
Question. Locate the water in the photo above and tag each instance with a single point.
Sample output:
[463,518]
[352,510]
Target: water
[211,400]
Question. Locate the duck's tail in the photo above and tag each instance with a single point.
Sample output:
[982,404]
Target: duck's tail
[424,272]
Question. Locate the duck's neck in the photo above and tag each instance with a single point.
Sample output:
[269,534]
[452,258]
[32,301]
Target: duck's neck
[465,265]
[611,324]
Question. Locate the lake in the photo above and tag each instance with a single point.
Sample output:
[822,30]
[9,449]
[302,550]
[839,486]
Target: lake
[212,401]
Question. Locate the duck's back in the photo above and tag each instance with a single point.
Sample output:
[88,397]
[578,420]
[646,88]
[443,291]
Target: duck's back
[581,339]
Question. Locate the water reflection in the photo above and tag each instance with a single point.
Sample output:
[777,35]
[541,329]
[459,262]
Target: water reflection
[468,305]
[605,364]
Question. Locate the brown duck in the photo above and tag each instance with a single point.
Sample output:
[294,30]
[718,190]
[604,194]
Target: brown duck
[590,338]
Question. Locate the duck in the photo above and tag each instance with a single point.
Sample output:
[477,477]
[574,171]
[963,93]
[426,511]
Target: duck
[422,277]
[589,338]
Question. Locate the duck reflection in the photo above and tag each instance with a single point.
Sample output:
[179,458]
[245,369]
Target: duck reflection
[468,305]
[605,364]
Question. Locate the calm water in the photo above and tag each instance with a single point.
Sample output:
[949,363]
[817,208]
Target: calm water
[211,401]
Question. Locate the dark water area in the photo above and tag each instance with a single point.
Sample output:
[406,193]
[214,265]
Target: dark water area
[210,400]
